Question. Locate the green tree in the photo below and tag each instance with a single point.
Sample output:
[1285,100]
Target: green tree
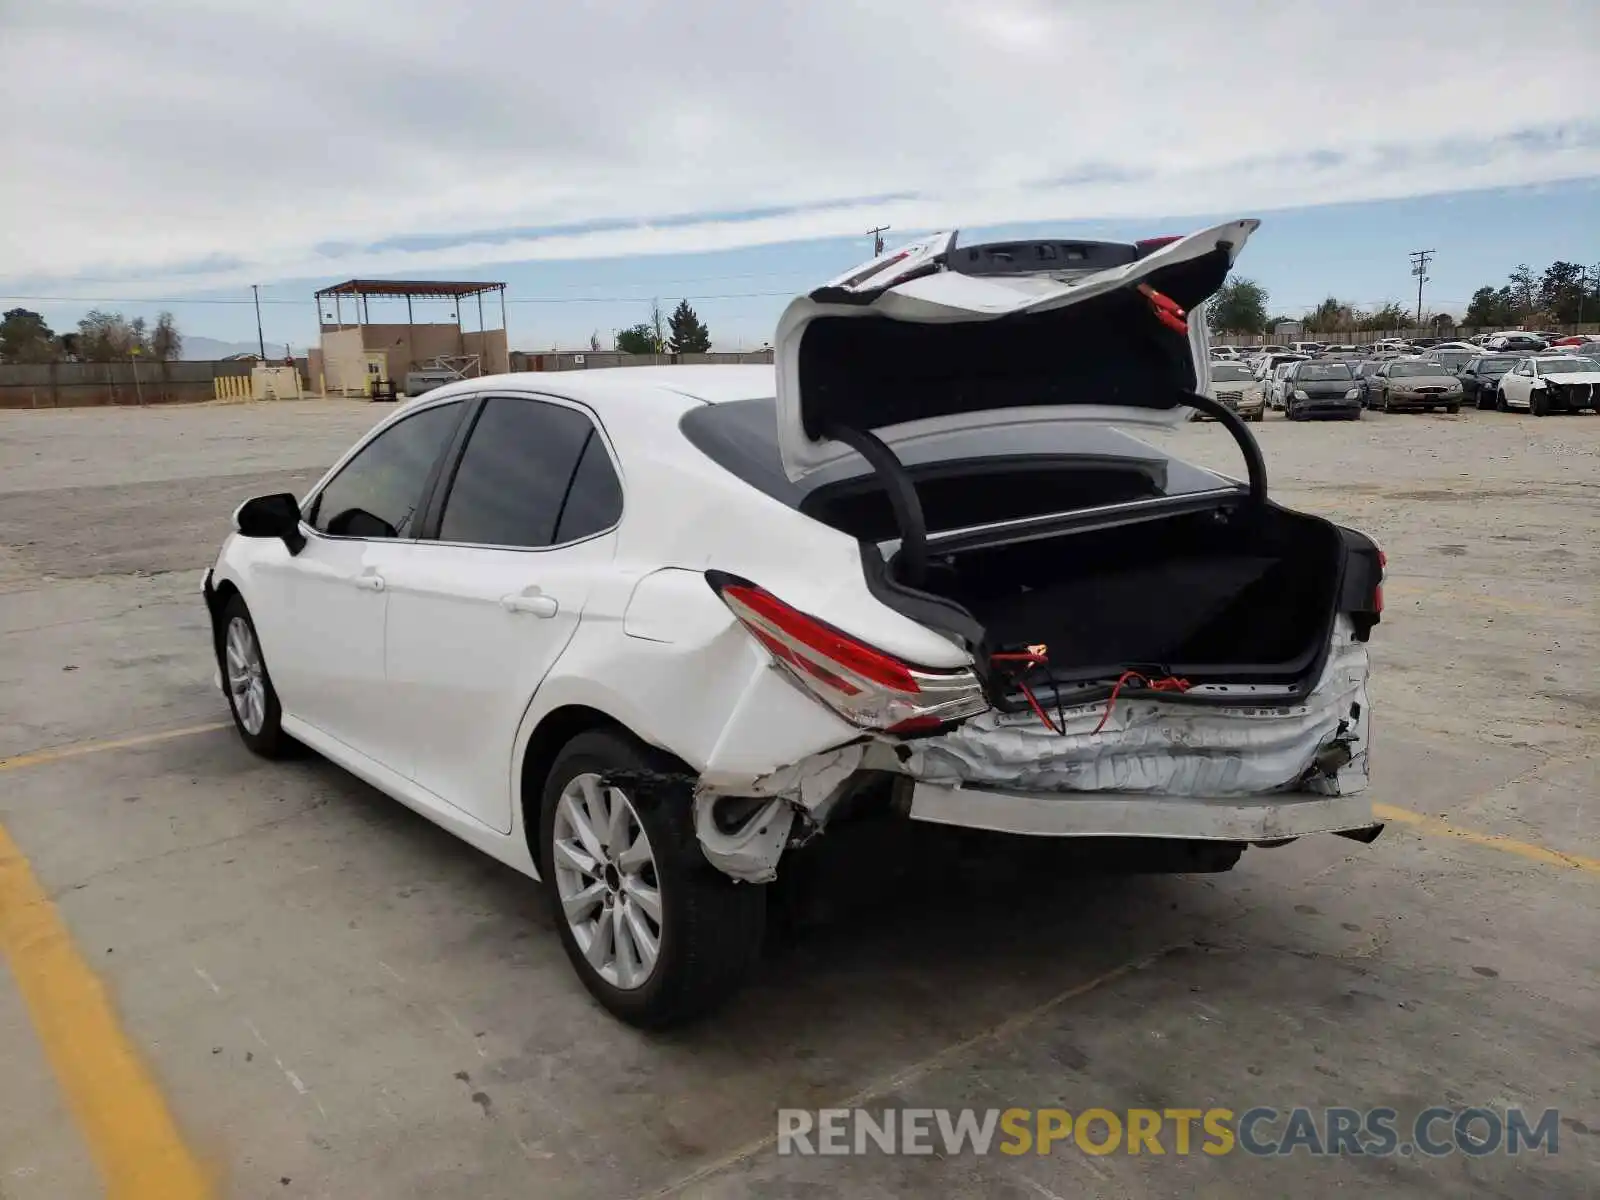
[1240,306]
[166,343]
[1485,309]
[1390,316]
[1561,291]
[1331,316]
[104,337]
[638,339]
[25,338]
[1524,292]
[688,332]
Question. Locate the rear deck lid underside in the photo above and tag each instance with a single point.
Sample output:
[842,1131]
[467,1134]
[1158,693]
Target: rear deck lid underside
[914,343]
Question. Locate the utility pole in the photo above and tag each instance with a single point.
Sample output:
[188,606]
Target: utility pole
[1419,268]
[261,341]
[877,240]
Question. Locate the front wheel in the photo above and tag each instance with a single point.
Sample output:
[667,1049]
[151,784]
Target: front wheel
[1500,404]
[252,699]
[1452,409]
[1539,405]
[656,933]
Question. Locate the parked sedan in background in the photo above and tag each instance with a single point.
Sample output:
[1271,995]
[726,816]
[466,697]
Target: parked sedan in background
[1480,378]
[1273,382]
[1363,372]
[1451,360]
[1321,389]
[1551,383]
[1523,343]
[1233,385]
[1414,383]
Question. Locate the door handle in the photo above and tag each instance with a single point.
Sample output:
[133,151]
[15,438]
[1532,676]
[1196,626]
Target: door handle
[369,582]
[532,602]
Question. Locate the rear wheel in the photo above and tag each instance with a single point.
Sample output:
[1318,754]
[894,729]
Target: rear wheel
[656,933]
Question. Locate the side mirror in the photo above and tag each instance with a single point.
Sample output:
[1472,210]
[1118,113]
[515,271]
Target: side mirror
[276,516]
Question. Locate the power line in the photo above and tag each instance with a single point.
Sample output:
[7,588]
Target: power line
[269,300]
[877,240]
[1419,268]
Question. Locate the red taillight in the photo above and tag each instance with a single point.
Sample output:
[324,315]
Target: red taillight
[830,643]
[861,683]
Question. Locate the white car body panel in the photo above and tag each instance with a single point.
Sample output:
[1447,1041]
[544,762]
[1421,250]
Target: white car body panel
[432,684]
[949,297]
[1518,389]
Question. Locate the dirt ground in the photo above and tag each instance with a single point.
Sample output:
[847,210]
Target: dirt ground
[331,997]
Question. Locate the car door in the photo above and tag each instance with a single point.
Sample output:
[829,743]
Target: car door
[483,606]
[1517,383]
[321,612]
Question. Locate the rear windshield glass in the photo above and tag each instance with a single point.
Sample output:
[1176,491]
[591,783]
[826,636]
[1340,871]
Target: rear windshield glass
[1230,374]
[1564,366]
[1452,360]
[1402,370]
[1322,372]
[742,437]
[1496,366]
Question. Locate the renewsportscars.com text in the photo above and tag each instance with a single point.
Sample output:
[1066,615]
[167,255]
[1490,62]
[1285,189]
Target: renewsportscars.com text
[1261,1131]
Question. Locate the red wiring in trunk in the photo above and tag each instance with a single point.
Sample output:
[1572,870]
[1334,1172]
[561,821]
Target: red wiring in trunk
[1038,656]
[1170,684]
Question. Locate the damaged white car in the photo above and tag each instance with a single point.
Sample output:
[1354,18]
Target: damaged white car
[643,633]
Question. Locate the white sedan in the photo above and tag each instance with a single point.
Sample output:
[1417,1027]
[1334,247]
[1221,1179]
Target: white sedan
[1549,383]
[646,633]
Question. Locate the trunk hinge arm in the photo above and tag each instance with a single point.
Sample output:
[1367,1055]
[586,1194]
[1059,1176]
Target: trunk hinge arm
[913,558]
[1255,464]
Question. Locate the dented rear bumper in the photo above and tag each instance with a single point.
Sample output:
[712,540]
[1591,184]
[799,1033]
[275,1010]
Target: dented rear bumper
[1159,768]
[1198,818]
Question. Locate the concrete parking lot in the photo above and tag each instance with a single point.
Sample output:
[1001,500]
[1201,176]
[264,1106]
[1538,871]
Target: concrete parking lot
[269,980]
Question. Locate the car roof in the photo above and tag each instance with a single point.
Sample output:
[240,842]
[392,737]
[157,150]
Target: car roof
[609,387]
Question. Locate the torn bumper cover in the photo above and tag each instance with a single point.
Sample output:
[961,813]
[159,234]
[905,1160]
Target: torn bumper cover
[1159,768]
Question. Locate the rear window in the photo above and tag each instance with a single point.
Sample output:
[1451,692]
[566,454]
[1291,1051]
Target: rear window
[1322,372]
[963,477]
[1230,374]
[1403,370]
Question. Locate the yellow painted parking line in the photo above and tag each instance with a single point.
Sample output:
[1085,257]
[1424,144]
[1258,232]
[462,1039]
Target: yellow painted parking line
[118,1107]
[36,758]
[1434,827]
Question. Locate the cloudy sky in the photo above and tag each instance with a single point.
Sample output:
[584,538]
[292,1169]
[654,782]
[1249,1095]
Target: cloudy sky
[189,148]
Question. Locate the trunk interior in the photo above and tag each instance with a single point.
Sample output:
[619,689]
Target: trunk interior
[1242,594]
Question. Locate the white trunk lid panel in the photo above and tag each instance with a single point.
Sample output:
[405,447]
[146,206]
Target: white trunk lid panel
[936,307]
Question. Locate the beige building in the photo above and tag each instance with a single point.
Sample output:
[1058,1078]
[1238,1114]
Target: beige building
[357,356]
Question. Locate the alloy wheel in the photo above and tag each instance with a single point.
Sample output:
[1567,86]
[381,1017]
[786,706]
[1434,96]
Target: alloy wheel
[606,879]
[246,675]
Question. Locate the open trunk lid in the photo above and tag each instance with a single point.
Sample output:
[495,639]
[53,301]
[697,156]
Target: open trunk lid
[937,336]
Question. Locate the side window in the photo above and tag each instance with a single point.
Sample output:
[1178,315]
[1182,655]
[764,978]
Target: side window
[377,492]
[518,474]
[594,502]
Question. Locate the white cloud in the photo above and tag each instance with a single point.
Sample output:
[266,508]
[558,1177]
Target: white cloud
[179,144]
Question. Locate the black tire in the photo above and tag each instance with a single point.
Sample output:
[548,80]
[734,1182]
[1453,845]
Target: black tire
[1452,409]
[1500,404]
[1484,401]
[711,929]
[1386,406]
[269,741]
[1538,404]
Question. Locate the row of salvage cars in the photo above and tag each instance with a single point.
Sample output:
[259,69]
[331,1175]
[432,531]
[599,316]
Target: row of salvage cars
[646,634]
